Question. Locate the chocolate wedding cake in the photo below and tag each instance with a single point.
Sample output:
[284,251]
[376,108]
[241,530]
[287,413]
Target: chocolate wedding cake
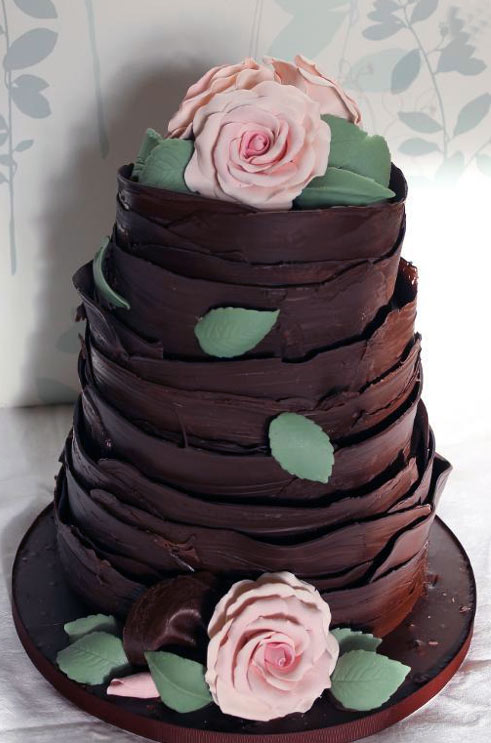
[251,397]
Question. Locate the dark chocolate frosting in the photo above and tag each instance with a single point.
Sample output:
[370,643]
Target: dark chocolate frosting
[171,613]
[168,474]
[311,316]
[240,233]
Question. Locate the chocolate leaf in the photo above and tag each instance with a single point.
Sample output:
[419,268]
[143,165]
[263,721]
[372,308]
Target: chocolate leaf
[93,658]
[100,281]
[165,165]
[354,150]
[93,623]
[341,187]
[227,332]
[349,639]
[180,682]
[364,680]
[151,140]
[301,447]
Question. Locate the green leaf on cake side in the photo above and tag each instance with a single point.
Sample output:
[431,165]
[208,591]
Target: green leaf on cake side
[93,623]
[93,658]
[227,332]
[100,280]
[364,680]
[301,447]
[354,150]
[151,140]
[342,188]
[165,165]
[349,639]
[180,682]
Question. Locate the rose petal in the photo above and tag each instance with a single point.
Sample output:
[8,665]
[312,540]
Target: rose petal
[139,686]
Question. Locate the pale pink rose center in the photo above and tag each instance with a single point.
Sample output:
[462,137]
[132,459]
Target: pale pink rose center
[254,143]
[280,655]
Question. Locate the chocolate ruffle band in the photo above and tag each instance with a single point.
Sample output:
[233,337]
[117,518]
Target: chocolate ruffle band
[168,470]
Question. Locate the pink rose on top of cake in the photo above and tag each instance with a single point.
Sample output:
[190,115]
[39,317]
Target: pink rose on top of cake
[270,653]
[246,74]
[307,76]
[259,147]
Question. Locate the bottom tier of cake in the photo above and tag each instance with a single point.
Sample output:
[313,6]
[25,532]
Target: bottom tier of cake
[120,532]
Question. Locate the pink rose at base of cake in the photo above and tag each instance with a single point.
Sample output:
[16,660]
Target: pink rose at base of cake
[250,483]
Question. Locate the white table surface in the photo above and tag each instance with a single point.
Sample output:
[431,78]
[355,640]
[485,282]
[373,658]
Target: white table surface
[30,709]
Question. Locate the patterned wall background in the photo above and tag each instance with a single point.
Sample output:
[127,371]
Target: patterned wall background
[82,79]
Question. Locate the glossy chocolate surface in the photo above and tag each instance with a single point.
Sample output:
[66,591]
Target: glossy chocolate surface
[432,640]
[168,472]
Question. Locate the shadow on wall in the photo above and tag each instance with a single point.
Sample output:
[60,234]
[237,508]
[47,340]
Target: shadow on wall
[83,206]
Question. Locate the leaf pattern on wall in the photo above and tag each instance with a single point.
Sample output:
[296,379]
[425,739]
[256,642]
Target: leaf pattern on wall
[454,55]
[406,71]
[23,91]
[372,73]
[96,66]
[27,96]
[37,8]
[29,49]
[316,22]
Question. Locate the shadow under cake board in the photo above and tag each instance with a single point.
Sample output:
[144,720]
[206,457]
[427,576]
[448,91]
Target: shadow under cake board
[433,640]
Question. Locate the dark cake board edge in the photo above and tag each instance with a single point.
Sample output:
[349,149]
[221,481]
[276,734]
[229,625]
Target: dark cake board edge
[454,573]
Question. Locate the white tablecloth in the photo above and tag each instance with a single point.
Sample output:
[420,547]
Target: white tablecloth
[30,442]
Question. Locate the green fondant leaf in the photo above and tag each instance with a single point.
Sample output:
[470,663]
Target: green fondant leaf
[341,187]
[180,682]
[93,658]
[166,163]
[301,447]
[364,680]
[231,331]
[354,150]
[100,281]
[349,639]
[93,623]
[151,140]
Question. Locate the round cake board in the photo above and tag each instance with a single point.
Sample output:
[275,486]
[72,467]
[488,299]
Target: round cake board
[433,640]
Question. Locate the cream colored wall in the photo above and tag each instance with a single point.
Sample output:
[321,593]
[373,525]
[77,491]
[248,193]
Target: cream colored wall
[114,67]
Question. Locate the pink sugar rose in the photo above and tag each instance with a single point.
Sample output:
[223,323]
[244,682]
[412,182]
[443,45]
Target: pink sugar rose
[246,74]
[306,76]
[270,652]
[259,147]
